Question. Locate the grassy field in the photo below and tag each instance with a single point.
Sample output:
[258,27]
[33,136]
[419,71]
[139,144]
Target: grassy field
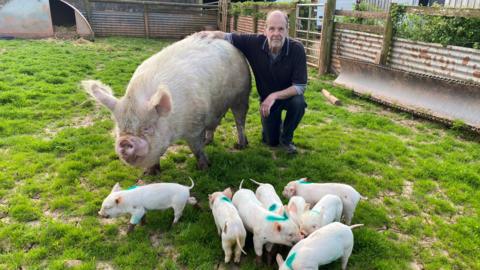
[57,163]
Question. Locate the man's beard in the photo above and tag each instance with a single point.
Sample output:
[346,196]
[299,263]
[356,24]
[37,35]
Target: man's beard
[276,43]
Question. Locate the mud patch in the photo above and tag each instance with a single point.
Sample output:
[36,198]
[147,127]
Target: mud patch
[104,266]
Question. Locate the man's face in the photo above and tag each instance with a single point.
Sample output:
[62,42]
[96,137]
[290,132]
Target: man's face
[276,32]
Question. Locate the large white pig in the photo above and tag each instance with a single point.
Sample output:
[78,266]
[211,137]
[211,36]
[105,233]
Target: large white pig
[182,92]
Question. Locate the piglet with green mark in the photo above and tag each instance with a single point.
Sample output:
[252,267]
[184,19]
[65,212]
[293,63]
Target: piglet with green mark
[327,210]
[267,227]
[267,195]
[229,225]
[137,200]
[313,192]
[331,242]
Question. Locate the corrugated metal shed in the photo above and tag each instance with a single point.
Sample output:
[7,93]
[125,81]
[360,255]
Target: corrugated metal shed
[25,18]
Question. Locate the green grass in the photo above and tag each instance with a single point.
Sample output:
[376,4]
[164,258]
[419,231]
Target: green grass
[57,163]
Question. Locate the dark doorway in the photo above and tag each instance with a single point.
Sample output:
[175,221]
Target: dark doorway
[62,14]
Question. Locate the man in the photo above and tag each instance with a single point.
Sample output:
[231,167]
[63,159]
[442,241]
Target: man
[280,70]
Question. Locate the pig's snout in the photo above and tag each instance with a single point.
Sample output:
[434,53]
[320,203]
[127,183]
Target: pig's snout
[130,148]
[103,215]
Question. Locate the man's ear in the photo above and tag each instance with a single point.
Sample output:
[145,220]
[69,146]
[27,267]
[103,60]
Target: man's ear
[116,188]
[161,101]
[101,93]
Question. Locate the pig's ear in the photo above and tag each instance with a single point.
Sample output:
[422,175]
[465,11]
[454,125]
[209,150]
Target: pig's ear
[161,101]
[277,227]
[101,93]
[116,188]
[279,260]
[118,200]
[228,192]
[292,208]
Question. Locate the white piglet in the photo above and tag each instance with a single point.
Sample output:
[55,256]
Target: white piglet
[138,200]
[296,207]
[267,227]
[327,210]
[313,192]
[267,195]
[229,225]
[324,246]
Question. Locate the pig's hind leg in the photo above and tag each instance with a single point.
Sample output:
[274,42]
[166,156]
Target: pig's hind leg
[239,110]
[346,254]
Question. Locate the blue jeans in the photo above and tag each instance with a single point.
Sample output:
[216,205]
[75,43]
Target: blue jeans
[273,132]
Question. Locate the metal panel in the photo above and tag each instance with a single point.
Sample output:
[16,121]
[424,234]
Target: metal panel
[354,45]
[178,25]
[450,62]
[25,18]
[118,23]
[462,3]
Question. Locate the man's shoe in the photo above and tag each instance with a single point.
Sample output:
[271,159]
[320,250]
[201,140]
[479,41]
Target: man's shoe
[290,148]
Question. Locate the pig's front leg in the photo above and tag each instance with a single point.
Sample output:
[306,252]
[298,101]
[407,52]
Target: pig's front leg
[196,145]
[137,216]
[154,170]
[258,242]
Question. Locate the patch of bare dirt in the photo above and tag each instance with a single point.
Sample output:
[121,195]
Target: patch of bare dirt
[354,108]
[77,122]
[65,32]
[72,263]
[407,189]
[2,50]
[415,265]
[104,266]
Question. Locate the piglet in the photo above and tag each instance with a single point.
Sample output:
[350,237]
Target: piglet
[229,225]
[313,192]
[327,210]
[267,227]
[137,200]
[296,207]
[324,246]
[267,195]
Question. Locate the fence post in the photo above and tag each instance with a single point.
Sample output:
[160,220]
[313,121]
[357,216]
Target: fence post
[145,20]
[292,21]
[327,36]
[255,19]
[387,38]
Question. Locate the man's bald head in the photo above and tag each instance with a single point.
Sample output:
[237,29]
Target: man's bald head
[277,14]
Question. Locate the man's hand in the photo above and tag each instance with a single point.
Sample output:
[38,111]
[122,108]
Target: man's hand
[267,105]
[211,34]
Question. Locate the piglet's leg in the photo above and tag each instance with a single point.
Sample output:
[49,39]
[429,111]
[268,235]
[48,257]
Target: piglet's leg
[258,246]
[136,218]
[177,212]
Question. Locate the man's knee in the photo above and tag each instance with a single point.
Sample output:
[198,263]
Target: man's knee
[297,103]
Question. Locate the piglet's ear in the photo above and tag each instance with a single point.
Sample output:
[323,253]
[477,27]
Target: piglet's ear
[277,227]
[161,101]
[292,208]
[118,200]
[116,188]
[228,192]
[279,260]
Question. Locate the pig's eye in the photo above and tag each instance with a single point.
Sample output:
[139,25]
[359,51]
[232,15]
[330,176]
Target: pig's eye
[147,130]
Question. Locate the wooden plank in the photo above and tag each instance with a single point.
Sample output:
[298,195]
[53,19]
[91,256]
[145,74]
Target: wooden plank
[326,39]
[361,14]
[387,37]
[376,29]
[331,98]
[448,12]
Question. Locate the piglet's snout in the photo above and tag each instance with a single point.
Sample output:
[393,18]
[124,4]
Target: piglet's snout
[100,213]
